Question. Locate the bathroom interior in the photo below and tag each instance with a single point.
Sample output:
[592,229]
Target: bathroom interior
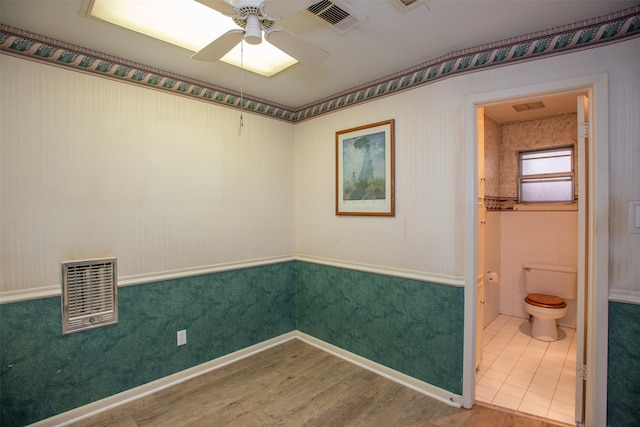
[514,370]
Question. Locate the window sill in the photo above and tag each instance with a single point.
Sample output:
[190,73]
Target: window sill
[545,206]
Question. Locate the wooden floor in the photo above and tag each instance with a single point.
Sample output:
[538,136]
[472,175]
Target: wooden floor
[295,384]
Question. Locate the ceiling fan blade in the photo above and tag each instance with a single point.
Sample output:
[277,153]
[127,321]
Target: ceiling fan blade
[279,9]
[305,52]
[219,5]
[219,47]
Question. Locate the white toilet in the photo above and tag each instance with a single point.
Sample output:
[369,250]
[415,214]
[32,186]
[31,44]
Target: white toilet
[548,286]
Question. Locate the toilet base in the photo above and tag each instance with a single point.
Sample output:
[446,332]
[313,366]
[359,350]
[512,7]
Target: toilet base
[544,329]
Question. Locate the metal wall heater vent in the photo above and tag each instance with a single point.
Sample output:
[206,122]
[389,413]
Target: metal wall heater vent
[342,17]
[89,294]
[406,5]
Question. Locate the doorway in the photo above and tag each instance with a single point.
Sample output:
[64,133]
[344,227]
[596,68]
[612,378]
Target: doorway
[592,260]
[517,372]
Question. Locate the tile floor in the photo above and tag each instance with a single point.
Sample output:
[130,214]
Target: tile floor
[527,375]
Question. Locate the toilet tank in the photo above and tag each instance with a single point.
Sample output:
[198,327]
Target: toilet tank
[550,279]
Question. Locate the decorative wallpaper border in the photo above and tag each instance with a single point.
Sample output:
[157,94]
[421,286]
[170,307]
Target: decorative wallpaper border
[508,204]
[581,35]
[499,204]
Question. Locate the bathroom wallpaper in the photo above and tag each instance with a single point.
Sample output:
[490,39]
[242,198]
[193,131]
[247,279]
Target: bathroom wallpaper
[408,325]
[491,158]
[44,373]
[548,132]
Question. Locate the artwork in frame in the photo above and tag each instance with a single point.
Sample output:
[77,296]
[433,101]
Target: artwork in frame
[365,170]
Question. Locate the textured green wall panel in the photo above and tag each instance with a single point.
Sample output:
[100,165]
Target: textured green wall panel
[44,373]
[623,394]
[411,326]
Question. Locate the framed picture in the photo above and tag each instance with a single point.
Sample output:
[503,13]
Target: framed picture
[365,170]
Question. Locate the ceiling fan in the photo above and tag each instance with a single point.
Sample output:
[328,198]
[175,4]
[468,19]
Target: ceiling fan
[255,17]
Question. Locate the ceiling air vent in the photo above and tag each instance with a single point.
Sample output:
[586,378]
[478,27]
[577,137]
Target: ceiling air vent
[528,106]
[89,294]
[406,5]
[338,14]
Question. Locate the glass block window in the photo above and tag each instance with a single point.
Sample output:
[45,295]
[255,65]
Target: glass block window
[546,176]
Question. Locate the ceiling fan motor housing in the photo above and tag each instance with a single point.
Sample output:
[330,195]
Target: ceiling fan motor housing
[250,16]
[253,19]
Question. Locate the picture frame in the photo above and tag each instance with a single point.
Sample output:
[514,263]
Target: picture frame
[365,170]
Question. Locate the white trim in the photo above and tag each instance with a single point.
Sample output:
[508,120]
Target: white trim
[386,372]
[629,297]
[441,279]
[199,271]
[545,206]
[78,414]
[470,253]
[598,236]
[55,290]
[597,331]
[30,294]
[103,405]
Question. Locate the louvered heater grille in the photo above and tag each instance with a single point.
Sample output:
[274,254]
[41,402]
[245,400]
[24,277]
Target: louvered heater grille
[339,15]
[89,294]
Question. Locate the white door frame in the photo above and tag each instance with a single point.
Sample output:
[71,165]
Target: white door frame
[597,235]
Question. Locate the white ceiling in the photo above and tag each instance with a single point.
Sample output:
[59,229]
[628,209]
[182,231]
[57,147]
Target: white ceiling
[389,42]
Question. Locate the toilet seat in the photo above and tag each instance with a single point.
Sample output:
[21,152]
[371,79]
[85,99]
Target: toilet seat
[545,301]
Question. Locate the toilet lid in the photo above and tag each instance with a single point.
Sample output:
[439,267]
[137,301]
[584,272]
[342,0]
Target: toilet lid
[546,301]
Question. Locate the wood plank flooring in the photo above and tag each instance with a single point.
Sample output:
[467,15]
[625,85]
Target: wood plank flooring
[296,384]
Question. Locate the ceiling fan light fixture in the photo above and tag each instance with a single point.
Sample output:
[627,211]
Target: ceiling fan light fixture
[253,30]
[264,59]
[190,25]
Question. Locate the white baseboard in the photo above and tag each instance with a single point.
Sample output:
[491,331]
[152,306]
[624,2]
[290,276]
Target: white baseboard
[103,405]
[391,374]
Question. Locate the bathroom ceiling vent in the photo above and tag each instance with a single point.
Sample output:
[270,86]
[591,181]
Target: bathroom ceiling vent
[406,5]
[342,17]
[89,294]
[528,106]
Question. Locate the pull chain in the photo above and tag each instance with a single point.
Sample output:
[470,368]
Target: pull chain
[241,86]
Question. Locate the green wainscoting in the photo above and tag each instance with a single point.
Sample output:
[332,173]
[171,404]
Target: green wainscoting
[44,373]
[623,382]
[408,325]
[411,326]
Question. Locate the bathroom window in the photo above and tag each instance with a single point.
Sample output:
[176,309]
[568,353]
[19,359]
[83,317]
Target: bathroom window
[546,176]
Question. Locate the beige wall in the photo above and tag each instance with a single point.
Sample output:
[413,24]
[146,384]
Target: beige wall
[427,233]
[91,166]
[534,237]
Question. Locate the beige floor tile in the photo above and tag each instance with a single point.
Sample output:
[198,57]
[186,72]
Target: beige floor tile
[528,375]
[506,400]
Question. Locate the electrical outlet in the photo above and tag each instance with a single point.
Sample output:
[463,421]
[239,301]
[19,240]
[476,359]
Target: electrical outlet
[181,337]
